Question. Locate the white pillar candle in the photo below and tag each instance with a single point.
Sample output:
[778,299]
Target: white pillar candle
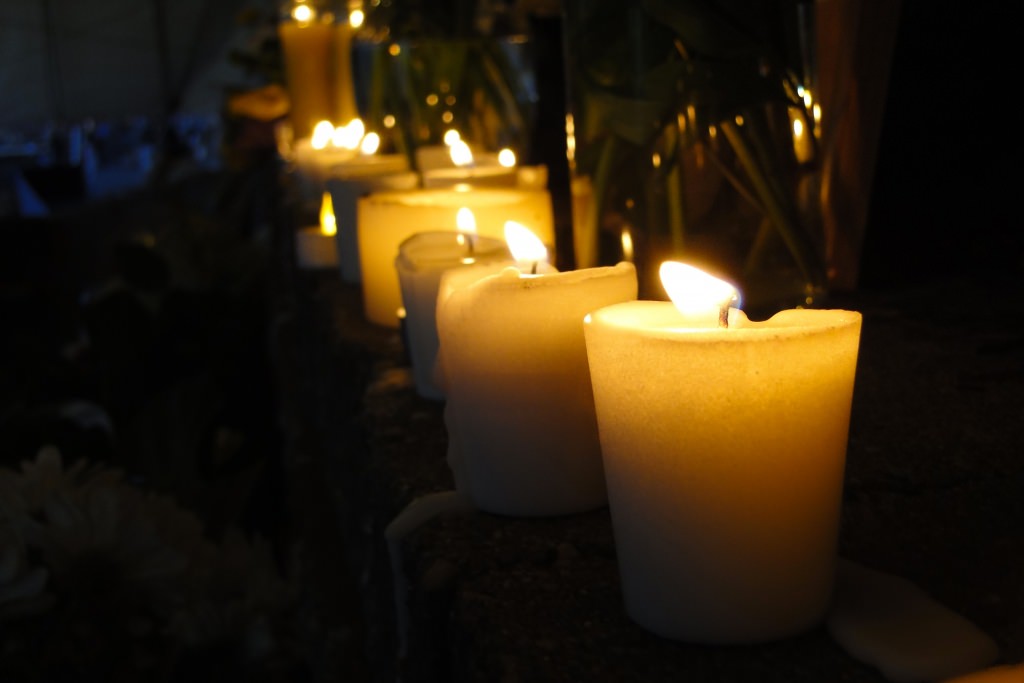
[519,412]
[422,260]
[314,244]
[384,219]
[349,181]
[724,452]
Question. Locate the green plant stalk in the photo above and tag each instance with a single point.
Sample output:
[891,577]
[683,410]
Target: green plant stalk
[599,184]
[804,259]
[676,210]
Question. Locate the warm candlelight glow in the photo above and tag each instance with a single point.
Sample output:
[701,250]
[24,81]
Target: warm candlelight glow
[525,246]
[451,137]
[323,132]
[328,224]
[627,245]
[460,153]
[350,135]
[370,143]
[356,18]
[302,13]
[698,296]
[798,129]
[507,158]
[465,221]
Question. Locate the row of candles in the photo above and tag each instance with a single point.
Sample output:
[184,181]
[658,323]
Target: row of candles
[717,442]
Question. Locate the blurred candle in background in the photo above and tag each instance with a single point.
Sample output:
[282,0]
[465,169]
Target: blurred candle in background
[356,178]
[385,219]
[724,451]
[422,260]
[316,48]
[315,244]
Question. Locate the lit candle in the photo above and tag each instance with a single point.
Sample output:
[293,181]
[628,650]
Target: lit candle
[519,411]
[724,450]
[422,260]
[385,219]
[317,56]
[348,182]
[456,163]
[315,245]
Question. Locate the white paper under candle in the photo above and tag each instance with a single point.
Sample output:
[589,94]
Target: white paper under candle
[422,260]
[384,219]
[519,410]
[724,452]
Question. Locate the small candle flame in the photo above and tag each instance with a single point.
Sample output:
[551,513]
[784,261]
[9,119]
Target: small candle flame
[525,246]
[700,297]
[323,132]
[465,221]
[302,13]
[328,224]
[350,135]
[461,154]
[507,158]
[370,144]
[356,18]
[451,136]
[627,245]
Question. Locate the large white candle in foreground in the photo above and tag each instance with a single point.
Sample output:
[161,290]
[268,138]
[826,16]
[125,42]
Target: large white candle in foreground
[385,219]
[724,451]
[519,412]
[422,260]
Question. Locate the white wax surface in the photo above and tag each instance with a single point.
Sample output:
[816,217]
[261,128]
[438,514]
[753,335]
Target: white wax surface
[724,452]
[476,176]
[422,260]
[314,250]
[520,415]
[347,183]
[385,219]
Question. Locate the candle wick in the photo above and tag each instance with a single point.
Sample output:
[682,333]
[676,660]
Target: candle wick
[723,317]
[469,244]
[533,271]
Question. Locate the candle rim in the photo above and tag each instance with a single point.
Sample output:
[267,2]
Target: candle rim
[628,317]
[513,277]
[483,196]
[485,250]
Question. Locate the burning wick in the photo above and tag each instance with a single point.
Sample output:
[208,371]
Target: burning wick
[702,299]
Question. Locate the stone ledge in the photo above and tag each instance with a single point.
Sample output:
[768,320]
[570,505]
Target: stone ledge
[932,494]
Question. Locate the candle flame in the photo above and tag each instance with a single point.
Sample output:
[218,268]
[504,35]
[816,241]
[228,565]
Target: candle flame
[465,221]
[627,245]
[524,245]
[451,136]
[507,158]
[696,293]
[328,224]
[350,135]
[461,154]
[370,144]
[323,131]
[356,18]
[302,13]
